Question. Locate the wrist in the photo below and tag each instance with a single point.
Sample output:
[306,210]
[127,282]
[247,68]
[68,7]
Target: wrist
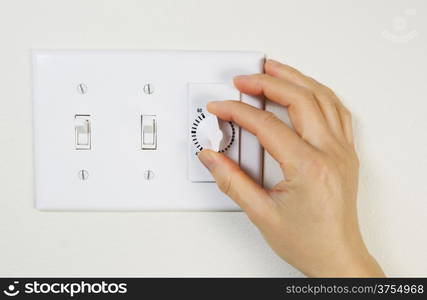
[350,265]
[365,266]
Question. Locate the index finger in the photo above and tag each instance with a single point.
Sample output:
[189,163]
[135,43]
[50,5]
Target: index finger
[276,137]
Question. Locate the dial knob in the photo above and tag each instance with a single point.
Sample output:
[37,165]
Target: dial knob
[209,132]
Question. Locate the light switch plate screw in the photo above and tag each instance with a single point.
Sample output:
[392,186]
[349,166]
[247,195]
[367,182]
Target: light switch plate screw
[83,174]
[82,88]
[148,175]
[148,88]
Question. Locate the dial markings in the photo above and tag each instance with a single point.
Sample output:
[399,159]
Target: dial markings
[197,121]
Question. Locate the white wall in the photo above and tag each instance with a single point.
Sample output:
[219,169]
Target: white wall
[338,42]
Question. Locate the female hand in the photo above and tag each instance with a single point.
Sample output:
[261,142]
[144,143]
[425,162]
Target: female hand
[310,217]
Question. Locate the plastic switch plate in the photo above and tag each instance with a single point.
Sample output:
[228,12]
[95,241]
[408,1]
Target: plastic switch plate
[114,130]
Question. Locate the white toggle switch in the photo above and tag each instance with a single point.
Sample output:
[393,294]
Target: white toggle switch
[82,132]
[206,130]
[148,132]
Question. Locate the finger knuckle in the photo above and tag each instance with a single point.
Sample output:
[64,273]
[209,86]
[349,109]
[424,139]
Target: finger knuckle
[346,113]
[269,118]
[327,91]
[294,73]
[328,101]
[307,95]
[319,168]
[224,184]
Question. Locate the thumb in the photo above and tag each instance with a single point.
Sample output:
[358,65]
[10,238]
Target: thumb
[235,183]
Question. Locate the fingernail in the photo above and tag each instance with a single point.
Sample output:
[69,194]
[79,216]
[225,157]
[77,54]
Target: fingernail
[207,158]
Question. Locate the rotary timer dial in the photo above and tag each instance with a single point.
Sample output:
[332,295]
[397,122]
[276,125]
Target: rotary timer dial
[208,132]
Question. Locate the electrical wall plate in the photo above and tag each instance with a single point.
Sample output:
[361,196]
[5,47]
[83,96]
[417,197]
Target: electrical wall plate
[113,129]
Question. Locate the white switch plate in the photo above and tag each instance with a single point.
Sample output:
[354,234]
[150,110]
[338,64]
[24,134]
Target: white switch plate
[115,173]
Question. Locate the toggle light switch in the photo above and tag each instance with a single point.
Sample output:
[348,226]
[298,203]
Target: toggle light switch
[82,128]
[206,130]
[148,132]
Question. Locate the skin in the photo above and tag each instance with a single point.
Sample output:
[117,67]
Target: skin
[310,217]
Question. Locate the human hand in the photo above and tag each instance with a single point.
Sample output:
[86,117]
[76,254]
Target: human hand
[310,217]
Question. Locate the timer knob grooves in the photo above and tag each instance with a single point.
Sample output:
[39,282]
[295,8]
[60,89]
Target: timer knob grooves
[201,133]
